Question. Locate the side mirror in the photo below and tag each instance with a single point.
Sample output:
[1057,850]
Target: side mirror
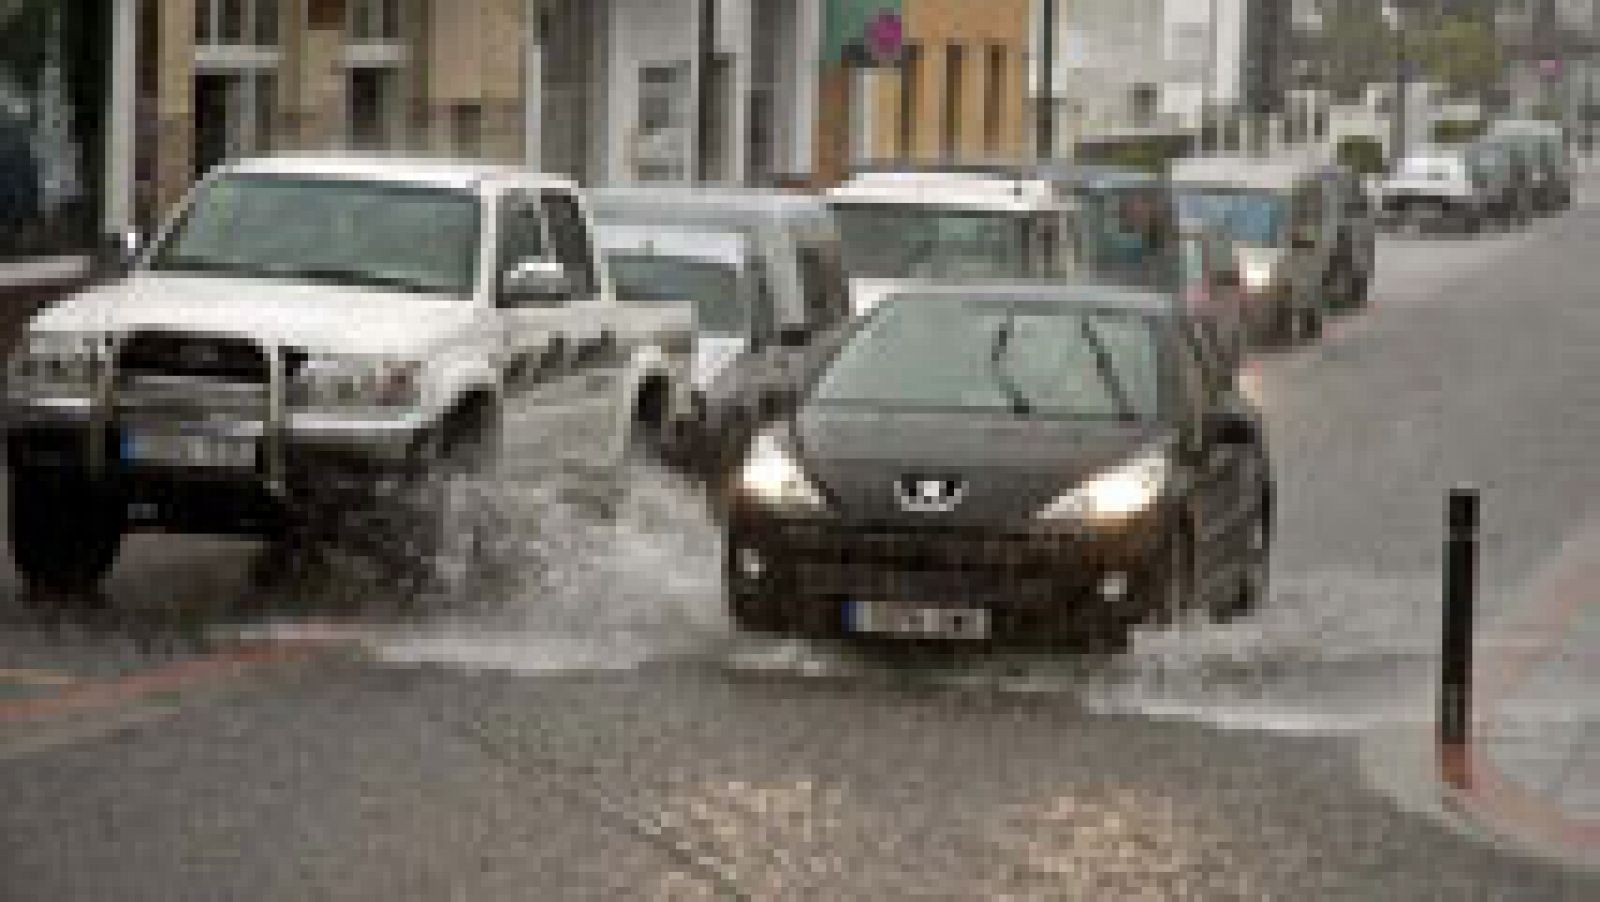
[1230,428]
[536,279]
[119,251]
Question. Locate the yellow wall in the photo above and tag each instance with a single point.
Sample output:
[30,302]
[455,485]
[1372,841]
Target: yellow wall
[934,25]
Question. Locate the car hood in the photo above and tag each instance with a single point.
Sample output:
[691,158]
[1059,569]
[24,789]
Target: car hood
[1009,467]
[865,294]
[310,316]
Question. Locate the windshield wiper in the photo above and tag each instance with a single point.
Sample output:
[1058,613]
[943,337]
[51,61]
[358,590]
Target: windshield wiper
[351,278]
[1108,372]
[1020,406]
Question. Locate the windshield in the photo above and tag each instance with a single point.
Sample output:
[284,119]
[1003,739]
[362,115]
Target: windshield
[918,241]
[991,357]
[1249,217]
[713,288]
[347,232]
[1126,232]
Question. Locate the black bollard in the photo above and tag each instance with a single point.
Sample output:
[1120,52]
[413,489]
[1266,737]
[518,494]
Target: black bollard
[1460,586]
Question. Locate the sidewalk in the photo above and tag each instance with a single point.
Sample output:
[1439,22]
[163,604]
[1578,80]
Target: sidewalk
[1534,771]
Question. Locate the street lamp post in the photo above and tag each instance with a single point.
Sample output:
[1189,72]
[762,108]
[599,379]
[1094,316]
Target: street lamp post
[1045,125]
[1402,83]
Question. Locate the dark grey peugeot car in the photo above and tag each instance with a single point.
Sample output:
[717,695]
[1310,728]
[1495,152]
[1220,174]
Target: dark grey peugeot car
[1018,463]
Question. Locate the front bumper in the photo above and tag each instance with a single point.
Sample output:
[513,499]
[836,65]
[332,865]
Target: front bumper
[802,574]
[317,464]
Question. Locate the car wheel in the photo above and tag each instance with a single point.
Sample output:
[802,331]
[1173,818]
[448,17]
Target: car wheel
[1256,570]
[66,530]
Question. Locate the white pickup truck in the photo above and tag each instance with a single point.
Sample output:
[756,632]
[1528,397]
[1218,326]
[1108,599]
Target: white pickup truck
[316,342]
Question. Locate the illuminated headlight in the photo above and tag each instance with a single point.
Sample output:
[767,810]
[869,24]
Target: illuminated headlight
[772,477]
[1259,275]
[1116,494]
[60,365]
[344,382]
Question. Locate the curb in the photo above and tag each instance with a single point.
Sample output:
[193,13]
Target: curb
[1463,787]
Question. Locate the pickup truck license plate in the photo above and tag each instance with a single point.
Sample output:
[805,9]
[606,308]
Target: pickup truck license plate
[189,449]
[911,620]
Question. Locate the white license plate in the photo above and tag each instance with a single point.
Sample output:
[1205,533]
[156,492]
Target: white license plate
[910,620]
[189,449]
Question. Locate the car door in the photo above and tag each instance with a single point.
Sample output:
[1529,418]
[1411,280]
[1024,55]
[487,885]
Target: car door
[535,327]
[590,312]
[562,397]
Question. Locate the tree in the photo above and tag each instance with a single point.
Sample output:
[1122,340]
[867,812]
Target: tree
[1461,53]
[1357,47]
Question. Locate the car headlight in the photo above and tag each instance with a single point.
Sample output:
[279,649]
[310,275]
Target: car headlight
[770,475]
[1259,275]
[1116,494]
[59,365]
[347,381]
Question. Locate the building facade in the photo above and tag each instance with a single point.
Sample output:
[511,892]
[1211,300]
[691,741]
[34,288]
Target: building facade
[958,90]
[603,90]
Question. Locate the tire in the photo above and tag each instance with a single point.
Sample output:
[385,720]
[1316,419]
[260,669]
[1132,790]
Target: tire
[1307,325]
[66,530]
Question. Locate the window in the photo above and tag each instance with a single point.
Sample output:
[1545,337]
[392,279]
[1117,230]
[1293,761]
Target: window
[466,126]
[993,97]
[661,139]
[521,231]
[234,22]
[341,232]
[569,235]
[950,132]
[374,20]
[910,74]
[374,99]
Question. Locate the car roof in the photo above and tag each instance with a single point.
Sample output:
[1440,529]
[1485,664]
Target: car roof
[734,206]
[1260,173]
[442,173]
[1086,294]
[947,188]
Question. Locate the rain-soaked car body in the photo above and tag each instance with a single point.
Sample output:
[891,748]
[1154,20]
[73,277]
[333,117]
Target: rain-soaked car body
[312,338]
[1017,463]
[762,273]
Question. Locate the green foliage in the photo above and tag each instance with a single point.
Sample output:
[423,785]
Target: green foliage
[1460,53]
[1362,154]
[1358,47]
[1457,131]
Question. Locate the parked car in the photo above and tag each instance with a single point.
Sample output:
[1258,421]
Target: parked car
[763,274]
[1005,462]
[1299,255]
[1545,144]
[1510,173]
[1439,188]
[320,347]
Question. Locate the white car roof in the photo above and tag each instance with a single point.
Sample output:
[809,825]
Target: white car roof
[1268,173]
[947,189]
[727,248]
[467,176]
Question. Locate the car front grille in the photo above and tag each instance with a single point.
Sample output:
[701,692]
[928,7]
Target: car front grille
[209,357]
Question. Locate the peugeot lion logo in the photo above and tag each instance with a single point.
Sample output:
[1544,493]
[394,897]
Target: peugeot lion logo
[925,495]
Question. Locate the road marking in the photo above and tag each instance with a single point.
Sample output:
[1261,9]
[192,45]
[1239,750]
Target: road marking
[36,677]
[81,696]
